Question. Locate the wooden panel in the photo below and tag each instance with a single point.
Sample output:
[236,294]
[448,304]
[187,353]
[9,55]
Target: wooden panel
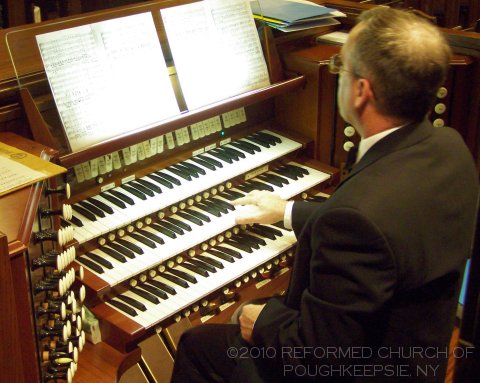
[11,367]
[134,375]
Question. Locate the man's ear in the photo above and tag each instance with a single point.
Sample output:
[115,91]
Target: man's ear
[363,92]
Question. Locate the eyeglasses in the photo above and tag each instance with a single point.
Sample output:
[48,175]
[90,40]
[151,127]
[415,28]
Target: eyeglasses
[335,65]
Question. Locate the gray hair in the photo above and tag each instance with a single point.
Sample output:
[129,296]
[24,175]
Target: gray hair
[404,57]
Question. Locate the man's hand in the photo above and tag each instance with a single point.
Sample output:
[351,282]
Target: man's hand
[247,319]
[261,207]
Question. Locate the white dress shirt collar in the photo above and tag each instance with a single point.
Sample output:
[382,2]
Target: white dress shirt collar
[366,143]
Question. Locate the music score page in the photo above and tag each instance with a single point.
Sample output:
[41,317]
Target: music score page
[107,78]
[216,50]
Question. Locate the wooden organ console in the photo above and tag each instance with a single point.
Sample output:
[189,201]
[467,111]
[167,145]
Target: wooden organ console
[155,237]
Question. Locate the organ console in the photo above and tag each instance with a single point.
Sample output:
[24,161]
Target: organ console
[149,244]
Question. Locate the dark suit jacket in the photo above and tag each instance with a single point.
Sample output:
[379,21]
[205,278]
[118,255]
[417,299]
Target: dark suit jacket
[378,266]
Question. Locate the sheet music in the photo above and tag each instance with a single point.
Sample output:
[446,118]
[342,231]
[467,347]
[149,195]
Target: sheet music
[216,50]
[107,78]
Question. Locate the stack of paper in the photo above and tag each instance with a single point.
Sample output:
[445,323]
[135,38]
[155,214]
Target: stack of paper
[294,15]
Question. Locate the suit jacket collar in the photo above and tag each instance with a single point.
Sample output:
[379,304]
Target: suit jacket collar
[402,138]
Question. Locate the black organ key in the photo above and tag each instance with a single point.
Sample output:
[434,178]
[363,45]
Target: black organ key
[272,179]
[84,212]
[153,290]
[215,206]
[134,191]
[221,255]
[76,221]
[179,223]
[180,173]
[151,236]
[210,160]
[247,144]
[116,201]
[122,306]
[92,208]
[208,209]
[272,230]
[230,154]
[205,266]
[171,227]
[210,261]
[162,286]
[183,275]
[149,185]
[173,278]
[169,178]
[163,230]
[161,181]
[240,240]
[253,238]
[245,148]
[129,245]
[191,218]
[258,141]
[239,245]
[197,214]
[194,168]
[196,269]
[223,203]
[261,186]
[185,169]
[125,198]
[261,232]
[107,209]
[278,178]
[145,295]
[204,163]
[298,169]
[132,302]
[231,194]
[146,241]
[97,258]
[122,249]
[227,250]
[234,152]
[87,262]
[221,156]
[246,187]
[114,254]
[270,137]
[287,173]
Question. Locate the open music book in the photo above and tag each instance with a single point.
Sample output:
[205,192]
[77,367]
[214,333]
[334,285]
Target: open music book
[107,78]
[216,49]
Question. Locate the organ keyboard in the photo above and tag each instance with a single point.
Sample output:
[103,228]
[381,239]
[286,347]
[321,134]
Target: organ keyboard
[154,236]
